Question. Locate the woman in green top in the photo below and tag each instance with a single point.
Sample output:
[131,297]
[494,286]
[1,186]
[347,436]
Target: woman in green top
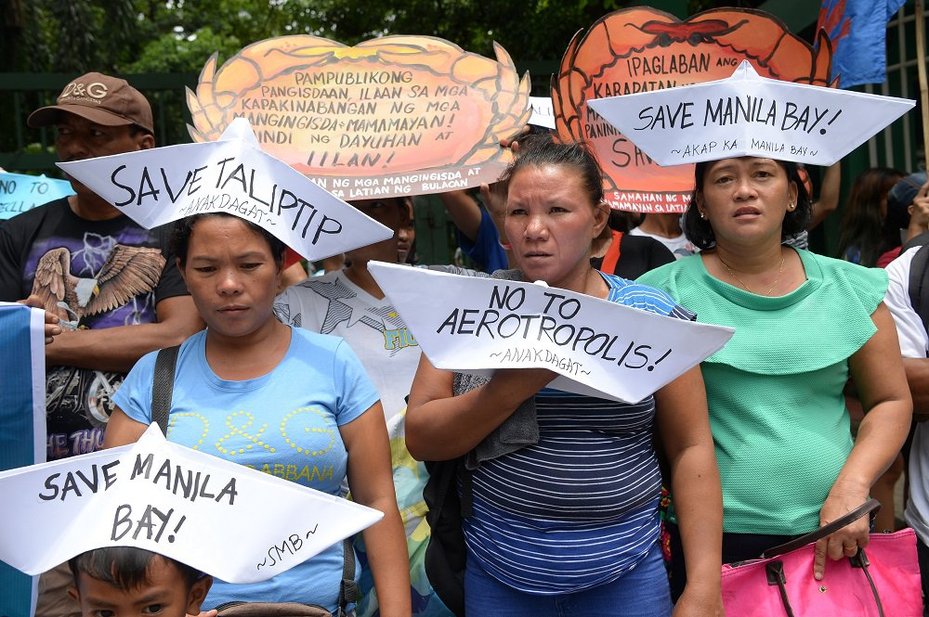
[805,325]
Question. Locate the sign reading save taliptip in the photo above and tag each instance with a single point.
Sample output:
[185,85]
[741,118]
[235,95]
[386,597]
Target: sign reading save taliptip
[231,175]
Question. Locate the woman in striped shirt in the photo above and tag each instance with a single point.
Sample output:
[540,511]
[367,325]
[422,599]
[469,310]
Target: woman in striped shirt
[569,524]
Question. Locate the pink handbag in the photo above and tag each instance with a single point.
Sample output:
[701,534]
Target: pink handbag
[880,581]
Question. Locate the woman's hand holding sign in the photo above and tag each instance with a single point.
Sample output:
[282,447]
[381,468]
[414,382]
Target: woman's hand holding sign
[458,424]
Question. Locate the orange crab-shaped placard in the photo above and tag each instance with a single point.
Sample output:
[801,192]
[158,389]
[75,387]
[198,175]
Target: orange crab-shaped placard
[398,115]
[642,49]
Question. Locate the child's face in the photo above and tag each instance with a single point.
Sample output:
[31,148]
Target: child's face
[164,595]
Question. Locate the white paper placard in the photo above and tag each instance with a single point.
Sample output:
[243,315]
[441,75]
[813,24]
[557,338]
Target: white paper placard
[169,499]
[749,115]
[543,112]
[20,192]
[479,324]
[160,185]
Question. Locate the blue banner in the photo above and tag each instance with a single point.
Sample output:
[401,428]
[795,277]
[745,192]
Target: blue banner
[19,192]
[858,31]
[22,424]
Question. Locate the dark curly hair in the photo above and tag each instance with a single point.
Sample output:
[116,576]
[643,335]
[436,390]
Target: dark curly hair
[700,232]
[183,228]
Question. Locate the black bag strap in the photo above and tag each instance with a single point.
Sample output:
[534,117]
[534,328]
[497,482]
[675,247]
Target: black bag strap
[163,386]
[919,277]
[446,553]
[865,508]
[920,240]
[774,570]
[348,588]
[163,394]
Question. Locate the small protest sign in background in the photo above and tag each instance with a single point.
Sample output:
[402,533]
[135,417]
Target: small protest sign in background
[397,115]
[21,192]
[598,348]
[542,112]
[643,49]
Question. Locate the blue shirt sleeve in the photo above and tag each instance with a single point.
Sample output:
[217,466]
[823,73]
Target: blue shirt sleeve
[134,396]
[356,392]
[486,249]
[645,297]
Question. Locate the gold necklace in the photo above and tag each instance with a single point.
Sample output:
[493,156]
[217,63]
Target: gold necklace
[780,270]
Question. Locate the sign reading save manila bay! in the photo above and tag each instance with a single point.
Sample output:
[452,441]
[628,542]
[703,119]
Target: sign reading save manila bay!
[749,115]
[478,324]
[643,49]
[171,500]
[397,115]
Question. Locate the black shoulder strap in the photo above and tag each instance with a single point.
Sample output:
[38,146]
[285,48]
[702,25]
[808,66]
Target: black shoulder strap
[467,490]
[920,240]
[163,386]
[348,588]
[919,277]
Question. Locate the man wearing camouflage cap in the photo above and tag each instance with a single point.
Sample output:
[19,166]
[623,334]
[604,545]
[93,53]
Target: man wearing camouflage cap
[112,284]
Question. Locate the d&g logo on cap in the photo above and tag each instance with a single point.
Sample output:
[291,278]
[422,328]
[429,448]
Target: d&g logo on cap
[76,89]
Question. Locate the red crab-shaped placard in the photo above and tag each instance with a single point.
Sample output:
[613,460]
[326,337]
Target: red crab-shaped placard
[642,49]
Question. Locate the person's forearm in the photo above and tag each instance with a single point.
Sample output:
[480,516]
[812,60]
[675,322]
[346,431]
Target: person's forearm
[116,349]
[828,200]
[464,212]
[697,499]
[387,553]
[446,428]
[684,430]
[880,438]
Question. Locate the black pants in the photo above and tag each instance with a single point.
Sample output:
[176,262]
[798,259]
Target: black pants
[736,547]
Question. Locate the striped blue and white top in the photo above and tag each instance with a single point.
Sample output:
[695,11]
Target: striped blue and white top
[579,508]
